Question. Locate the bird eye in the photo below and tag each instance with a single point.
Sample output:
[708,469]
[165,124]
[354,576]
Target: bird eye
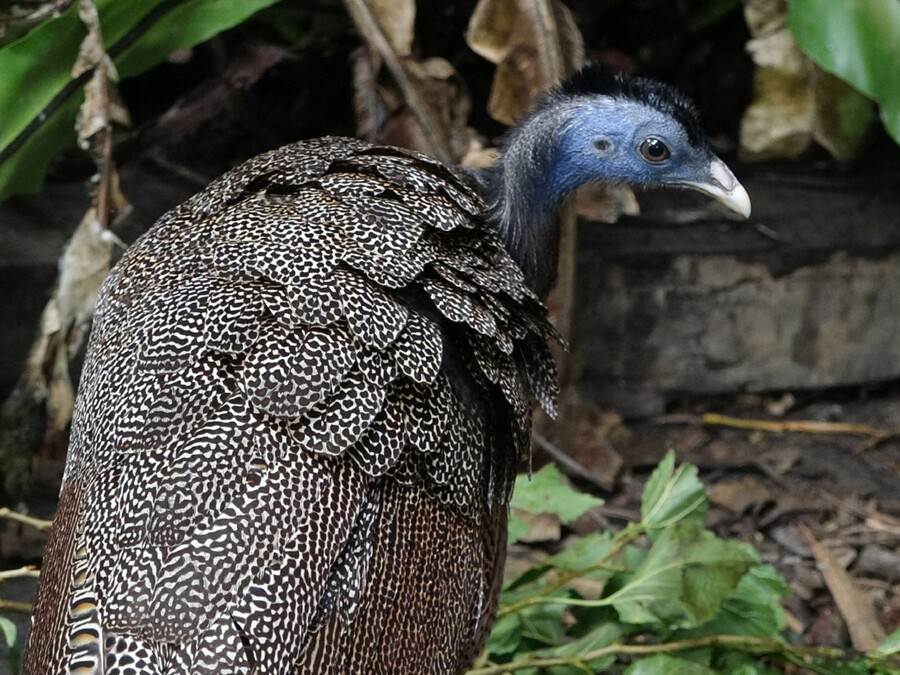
[654,150]
[602,144]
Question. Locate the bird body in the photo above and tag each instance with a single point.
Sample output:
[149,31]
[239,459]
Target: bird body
[268,451]
[306,392]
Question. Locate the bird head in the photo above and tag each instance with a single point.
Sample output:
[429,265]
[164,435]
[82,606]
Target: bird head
[597,126]
[635,131]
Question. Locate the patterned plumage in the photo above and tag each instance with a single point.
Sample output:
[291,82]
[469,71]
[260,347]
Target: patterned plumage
[306,391]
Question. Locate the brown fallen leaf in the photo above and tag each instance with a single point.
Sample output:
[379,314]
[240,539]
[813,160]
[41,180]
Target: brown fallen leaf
[541,526]
[740,494]
[855,607]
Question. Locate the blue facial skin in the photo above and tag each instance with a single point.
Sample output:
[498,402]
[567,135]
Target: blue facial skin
[602,143]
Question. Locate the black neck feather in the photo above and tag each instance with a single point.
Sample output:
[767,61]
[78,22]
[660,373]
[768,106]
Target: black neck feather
[523,198]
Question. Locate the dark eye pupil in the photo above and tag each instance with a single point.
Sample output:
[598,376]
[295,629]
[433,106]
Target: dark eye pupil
[654,150]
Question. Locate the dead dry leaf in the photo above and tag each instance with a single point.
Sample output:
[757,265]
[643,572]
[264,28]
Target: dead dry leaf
[534,43]
[866,632]
[605,203]
[541,526]
[444,92]
[86,258]
[739,495]
[423,128]
[396,18]
[795,102]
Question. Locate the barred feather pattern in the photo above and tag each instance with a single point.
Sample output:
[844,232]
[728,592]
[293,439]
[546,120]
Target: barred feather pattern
[305,393]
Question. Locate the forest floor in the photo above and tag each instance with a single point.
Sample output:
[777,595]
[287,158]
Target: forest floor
[811,481]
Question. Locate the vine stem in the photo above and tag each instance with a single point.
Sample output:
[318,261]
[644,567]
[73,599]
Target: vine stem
[618,544]
[745,642]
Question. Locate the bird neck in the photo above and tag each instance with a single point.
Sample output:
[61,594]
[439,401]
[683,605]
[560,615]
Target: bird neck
[525,190]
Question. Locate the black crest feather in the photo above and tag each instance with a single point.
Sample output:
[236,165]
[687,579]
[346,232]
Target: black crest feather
[596,79]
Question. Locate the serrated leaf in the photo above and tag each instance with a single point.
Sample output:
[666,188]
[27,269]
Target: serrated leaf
[541,624]
[505,635]
[671,495]
[858,41]
[662,664]
[684,579]
[597,638]
[582,552]
[548,491]
[36,69]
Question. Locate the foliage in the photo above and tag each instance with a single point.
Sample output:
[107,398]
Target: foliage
[858,41]
[9,634]
[546,492]
[663,595]
[39,97]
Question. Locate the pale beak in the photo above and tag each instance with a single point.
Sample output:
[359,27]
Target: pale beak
[724,188]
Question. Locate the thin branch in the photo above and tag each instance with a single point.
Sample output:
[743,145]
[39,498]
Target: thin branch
[369,28]
[777,426]
[569,466]
[13,606]
[36,523]
[618,544]
[747,643]
[26,571]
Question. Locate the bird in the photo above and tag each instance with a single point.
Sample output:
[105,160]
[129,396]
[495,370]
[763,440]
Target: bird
[307,391]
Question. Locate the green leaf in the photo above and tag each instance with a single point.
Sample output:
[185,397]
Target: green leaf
[891,644]
[736,662]
[857,40]
[10,635]
[516,529]
[541,624]
[547,491]
[662,664]
[684,580]
[582,552]
[8,630]
[36,68]
[754,608]
[671,495]
[599,637]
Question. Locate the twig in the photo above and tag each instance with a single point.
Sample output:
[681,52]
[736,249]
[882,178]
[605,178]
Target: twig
[775,426]
[745,642]
[36,523]
[856,608]
[619,542]
[12,606]
[26,571]
[368,26]
[569,466]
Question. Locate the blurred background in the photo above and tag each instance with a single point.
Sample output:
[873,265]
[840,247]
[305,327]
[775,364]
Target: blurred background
[765,352]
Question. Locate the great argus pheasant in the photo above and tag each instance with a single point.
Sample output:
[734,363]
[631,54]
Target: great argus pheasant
[306,392]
